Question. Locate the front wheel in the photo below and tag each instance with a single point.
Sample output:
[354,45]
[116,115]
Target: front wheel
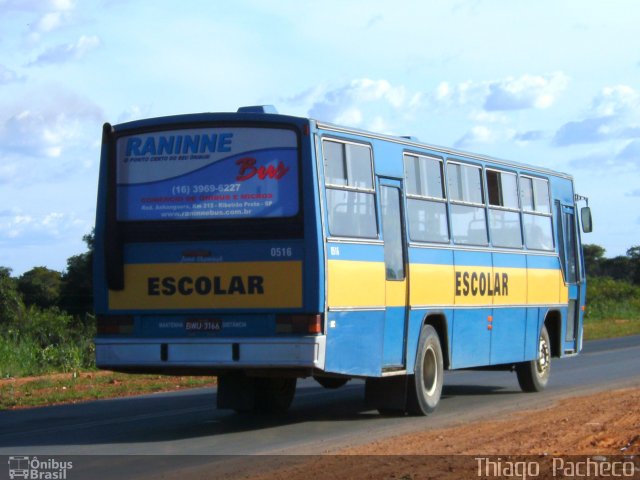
[533,376]
[425,388]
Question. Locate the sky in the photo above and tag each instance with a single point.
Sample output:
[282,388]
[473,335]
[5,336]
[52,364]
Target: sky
[553,83]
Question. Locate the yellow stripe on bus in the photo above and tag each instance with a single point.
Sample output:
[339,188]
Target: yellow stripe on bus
[362,284]
[188,286]
[355,284]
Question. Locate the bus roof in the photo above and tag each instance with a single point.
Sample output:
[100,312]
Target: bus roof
[447,151]
[257,113]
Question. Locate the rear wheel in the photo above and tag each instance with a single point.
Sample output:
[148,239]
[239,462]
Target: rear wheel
[533,376]
[331,383]
[239,392]
[425,386]
[274,395]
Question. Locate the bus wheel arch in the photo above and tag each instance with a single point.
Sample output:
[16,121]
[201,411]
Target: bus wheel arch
[425,385]
[439,322]
[553,323]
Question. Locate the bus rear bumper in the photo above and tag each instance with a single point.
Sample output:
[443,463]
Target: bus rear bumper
[169,353]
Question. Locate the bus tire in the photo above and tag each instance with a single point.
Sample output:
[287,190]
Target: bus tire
[533,375]
[274,395]
[331,383]
[425,386]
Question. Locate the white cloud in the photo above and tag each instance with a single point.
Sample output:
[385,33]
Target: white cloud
[457,95]
[614,114]
[68,51]
[527,91]
[354,103]
[33,228]
[612,159]
[511,93]
[53,14]
[9,76]
[482,134]
[48,125]
[630,153]
[617,100]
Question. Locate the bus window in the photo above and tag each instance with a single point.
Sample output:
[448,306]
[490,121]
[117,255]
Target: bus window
[426,207]
[537,219]
[392,230]
[468,219]
[504,212]
[349,186]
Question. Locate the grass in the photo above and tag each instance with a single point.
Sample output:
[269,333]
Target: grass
[74,387]
[613,309]
[610,328]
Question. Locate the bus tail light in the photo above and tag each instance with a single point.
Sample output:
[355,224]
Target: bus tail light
[114,324]
[305,324]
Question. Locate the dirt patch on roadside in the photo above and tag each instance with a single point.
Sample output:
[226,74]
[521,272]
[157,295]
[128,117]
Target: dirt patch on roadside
[60,388]
[601,425]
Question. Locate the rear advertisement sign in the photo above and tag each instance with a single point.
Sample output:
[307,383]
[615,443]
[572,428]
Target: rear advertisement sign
[207,173]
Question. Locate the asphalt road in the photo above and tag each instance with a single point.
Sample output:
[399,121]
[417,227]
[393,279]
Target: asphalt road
[174,426]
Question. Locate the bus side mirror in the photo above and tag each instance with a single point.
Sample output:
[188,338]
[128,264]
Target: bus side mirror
[587,223]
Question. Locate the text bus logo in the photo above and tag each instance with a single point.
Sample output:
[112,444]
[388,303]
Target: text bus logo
[32,468]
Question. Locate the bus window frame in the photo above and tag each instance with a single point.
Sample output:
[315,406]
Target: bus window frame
[332,186]
[451,202]
[444,200]
[534,212]
[517,209]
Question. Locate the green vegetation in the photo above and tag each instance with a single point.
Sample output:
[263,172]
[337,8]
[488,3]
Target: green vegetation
[613,293]
[613,308]
[44,341]
[46,322]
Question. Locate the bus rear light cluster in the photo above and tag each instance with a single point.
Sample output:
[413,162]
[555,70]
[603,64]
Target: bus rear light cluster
[114,324]
[302,324]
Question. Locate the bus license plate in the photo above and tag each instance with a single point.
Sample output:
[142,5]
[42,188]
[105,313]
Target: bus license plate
[203,325]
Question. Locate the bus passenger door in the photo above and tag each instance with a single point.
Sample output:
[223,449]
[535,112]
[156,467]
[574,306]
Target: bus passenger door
[393,356]
[572,274]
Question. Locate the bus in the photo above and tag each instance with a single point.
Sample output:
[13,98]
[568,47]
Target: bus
[262,248]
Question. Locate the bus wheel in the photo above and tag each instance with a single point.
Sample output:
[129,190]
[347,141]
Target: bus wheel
[331,383]
[426,387]
[274,395]
[533,376]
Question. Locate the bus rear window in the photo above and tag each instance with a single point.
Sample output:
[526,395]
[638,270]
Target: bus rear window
[207,174]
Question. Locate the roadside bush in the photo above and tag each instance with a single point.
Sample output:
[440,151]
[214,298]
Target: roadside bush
[612,299]
[45,341]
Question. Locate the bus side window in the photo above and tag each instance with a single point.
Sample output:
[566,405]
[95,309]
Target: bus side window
[349,187]
[504,210]
[426,202]
[537,219]
[468,216]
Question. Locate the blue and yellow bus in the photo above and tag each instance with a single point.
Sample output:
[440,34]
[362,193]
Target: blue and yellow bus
[263,248]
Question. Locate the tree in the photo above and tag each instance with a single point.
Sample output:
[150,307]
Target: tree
[40,286]
[11,305]
[76,294]
[634,259]
[618,268]
[593,258]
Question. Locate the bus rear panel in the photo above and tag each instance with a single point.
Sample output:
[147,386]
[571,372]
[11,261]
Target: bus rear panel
[207,250]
